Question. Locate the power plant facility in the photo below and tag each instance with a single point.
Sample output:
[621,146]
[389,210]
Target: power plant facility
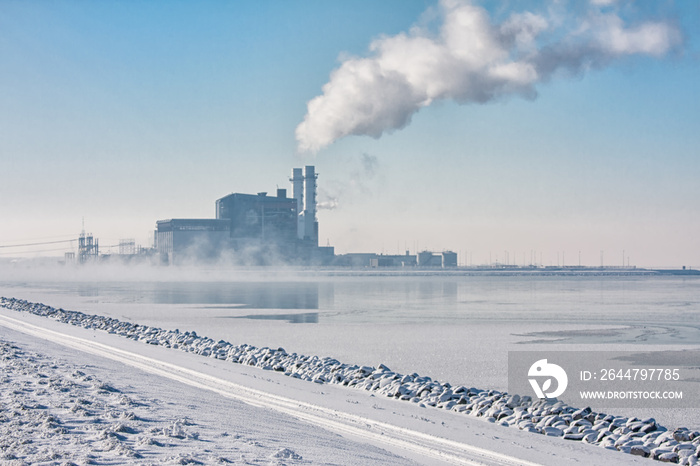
[261,230]
[254,229]
[250,230]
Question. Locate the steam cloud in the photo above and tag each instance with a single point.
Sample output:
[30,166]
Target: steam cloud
[470,60]
[329,203]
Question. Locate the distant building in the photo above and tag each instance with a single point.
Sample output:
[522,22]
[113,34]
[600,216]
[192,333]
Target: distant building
[372,260]
[251,229]
[446,259]
[424,259]
[359,260]
[429,259]
[260,221]
[183,240]
[449,259]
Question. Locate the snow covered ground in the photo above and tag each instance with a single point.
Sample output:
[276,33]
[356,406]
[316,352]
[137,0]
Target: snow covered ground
[60,406]
[73,394]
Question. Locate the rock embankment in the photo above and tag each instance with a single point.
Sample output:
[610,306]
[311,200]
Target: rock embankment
[642,437]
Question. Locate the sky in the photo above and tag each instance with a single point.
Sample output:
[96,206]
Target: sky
[561,132]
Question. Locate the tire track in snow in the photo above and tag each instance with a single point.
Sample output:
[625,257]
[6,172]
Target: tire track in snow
[430,446]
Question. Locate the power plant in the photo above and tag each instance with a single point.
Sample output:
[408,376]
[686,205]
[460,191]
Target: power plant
[251,229]
[258,229]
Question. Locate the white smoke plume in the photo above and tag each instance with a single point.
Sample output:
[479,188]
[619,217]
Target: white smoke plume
[328,203]
[470,60]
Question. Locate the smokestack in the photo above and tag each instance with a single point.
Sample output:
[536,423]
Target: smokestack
[297,180]
[310,226]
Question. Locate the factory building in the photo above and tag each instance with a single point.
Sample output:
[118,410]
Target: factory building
[372,260]
[181,240]
[449,259]
[260,220]
[424,259]
[251,228]
[446,259]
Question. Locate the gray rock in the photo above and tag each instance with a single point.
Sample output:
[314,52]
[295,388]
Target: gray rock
[670,457]
[640,450]
[607,442]
[552,431]
[582,422]
[601,425]
[581,413]
[574,436]
[648,427]
[682,435]
[684,446]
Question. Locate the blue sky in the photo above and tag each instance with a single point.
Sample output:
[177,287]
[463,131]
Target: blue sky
[128,112]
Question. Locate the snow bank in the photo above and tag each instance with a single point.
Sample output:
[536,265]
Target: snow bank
[630,435]
[53,413]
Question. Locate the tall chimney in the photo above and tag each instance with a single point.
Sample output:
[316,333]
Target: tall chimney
[297,180]
[310,225]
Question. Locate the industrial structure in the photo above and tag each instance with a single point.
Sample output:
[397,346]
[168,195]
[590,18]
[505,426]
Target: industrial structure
[251,229]
[424,259]
[127,247]
[254,229]
[197,240]
[304,192]
[88,248]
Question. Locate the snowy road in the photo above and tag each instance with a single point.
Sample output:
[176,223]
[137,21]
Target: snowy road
[428,436]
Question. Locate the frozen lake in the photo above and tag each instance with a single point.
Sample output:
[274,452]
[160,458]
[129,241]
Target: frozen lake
[452,328]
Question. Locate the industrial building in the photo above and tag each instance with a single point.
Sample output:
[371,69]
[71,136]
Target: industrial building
[445,259]
[251,229]
[181,240]
[424,259]
[262,229]
[372,260]
[260,222]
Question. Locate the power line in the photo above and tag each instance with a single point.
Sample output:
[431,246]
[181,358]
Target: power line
[19,253]
[37,238]
[35,244]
